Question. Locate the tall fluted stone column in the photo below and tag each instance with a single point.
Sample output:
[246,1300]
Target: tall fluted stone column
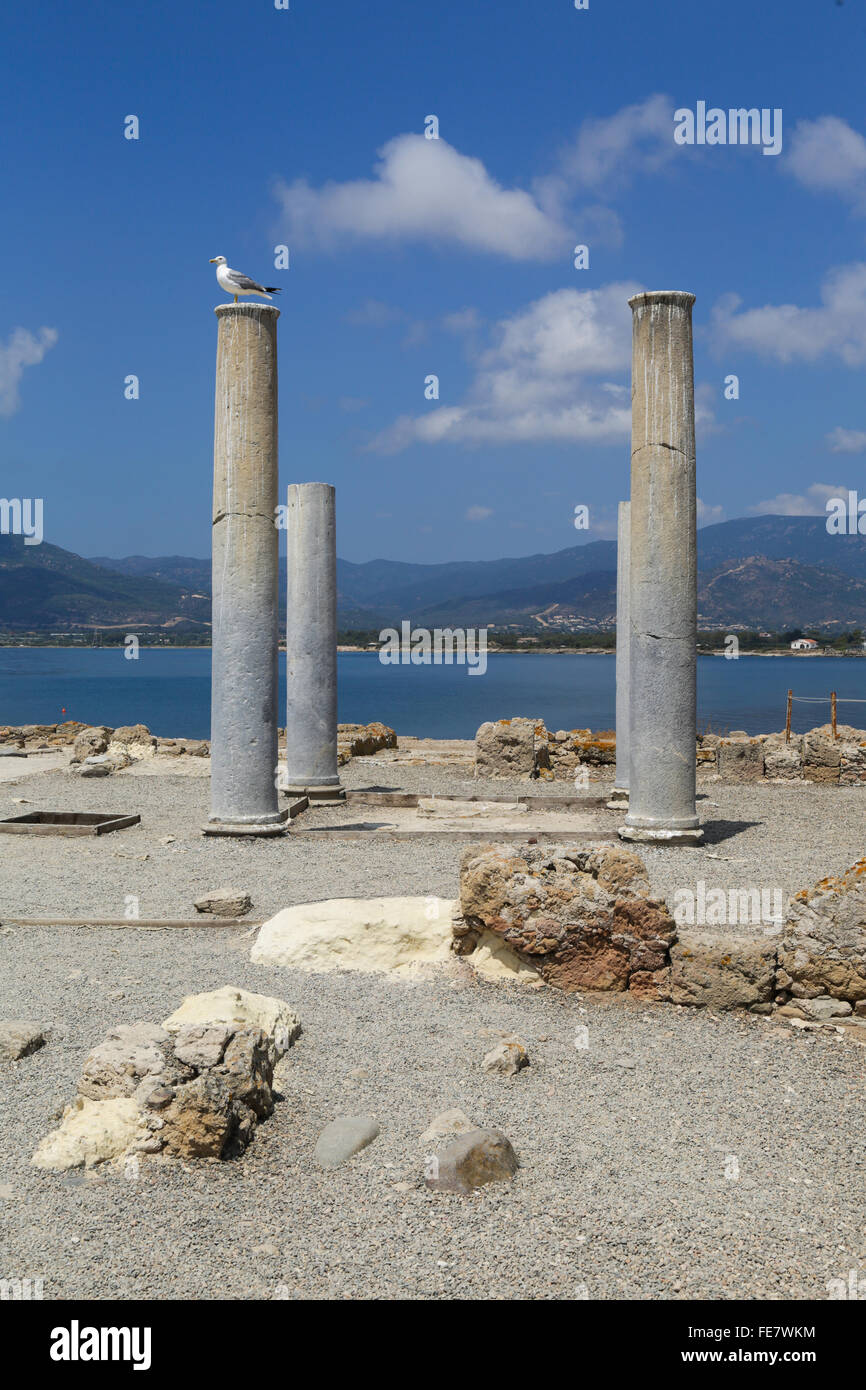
[244,687]
[311,643]
[619,795]
[663,578]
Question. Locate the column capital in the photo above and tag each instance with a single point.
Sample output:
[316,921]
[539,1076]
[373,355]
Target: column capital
[247,311]
[681,299]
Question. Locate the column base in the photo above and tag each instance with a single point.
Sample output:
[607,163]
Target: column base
[618,799]
[657,835]
[268,826]
[332,791]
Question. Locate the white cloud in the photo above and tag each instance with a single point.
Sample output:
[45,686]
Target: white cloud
[427,191]
[478,513]
[635,139]
[829,156]
[844,441]
[707,514]
[544,377]
[789,333]
[22,349]
[811,503]
[423,190]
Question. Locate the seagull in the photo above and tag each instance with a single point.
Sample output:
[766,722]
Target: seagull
[234,282]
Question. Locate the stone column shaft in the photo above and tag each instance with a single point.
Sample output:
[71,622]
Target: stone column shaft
[663,579]
[311,643]
[619,795]
[244,687]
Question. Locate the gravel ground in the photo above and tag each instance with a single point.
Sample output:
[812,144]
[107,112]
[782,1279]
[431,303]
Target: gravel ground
[768,837]
[624,1145]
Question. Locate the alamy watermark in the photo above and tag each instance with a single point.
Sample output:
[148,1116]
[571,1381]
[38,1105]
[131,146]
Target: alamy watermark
[422,646]
[22,516]
[850,1288]
[18,1290]
[737,126]
[710,907]
[846,516]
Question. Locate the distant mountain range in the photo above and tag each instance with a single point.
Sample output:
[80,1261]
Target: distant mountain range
[765,572]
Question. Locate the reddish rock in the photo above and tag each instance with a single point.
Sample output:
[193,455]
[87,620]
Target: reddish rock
[583,918]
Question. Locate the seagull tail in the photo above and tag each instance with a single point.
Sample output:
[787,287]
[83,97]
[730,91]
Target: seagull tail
[272,289]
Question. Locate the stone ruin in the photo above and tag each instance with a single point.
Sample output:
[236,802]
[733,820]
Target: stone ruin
[524,749]
[520,749]
[585,920]
[195,1087]
[98,750]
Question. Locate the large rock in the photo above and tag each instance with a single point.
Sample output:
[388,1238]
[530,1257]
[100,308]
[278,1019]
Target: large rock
[197,1091]
[722,970]
[134,735]
[133,742]
[506,748]
[90,741]
[823,947]
[582,918]
[471,1161]
[18,1038]
[363,740]
[371,934]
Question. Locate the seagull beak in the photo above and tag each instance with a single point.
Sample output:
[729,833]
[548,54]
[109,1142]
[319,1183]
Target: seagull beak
[212,260]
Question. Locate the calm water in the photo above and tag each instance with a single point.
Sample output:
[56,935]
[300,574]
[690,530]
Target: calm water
[169,691]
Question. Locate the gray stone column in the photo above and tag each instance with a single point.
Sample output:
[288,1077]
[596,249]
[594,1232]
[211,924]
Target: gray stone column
[311,643]
[663,667]
[619,795]
[244,688]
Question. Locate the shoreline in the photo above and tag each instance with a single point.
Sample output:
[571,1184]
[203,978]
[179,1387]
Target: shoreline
[491,651]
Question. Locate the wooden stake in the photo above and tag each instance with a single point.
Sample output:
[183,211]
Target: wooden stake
[788,718]
[833,711]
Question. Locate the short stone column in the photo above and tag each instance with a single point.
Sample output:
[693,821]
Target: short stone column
[619,795]
[311,643]
[244,690]
[663,579]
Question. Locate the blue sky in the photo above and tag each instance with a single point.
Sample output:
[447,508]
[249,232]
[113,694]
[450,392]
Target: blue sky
[412,257]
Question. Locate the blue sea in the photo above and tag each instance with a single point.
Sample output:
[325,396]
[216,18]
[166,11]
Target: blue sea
[169,691]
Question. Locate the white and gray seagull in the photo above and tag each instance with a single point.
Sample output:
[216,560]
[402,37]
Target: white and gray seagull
[233,282]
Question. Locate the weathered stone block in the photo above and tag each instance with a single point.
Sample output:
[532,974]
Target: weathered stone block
[89,742]
[582,918]
[852,767]
[783,762]
[821,758]
[741,760]
[722,970]
[823,948]
[506,748]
